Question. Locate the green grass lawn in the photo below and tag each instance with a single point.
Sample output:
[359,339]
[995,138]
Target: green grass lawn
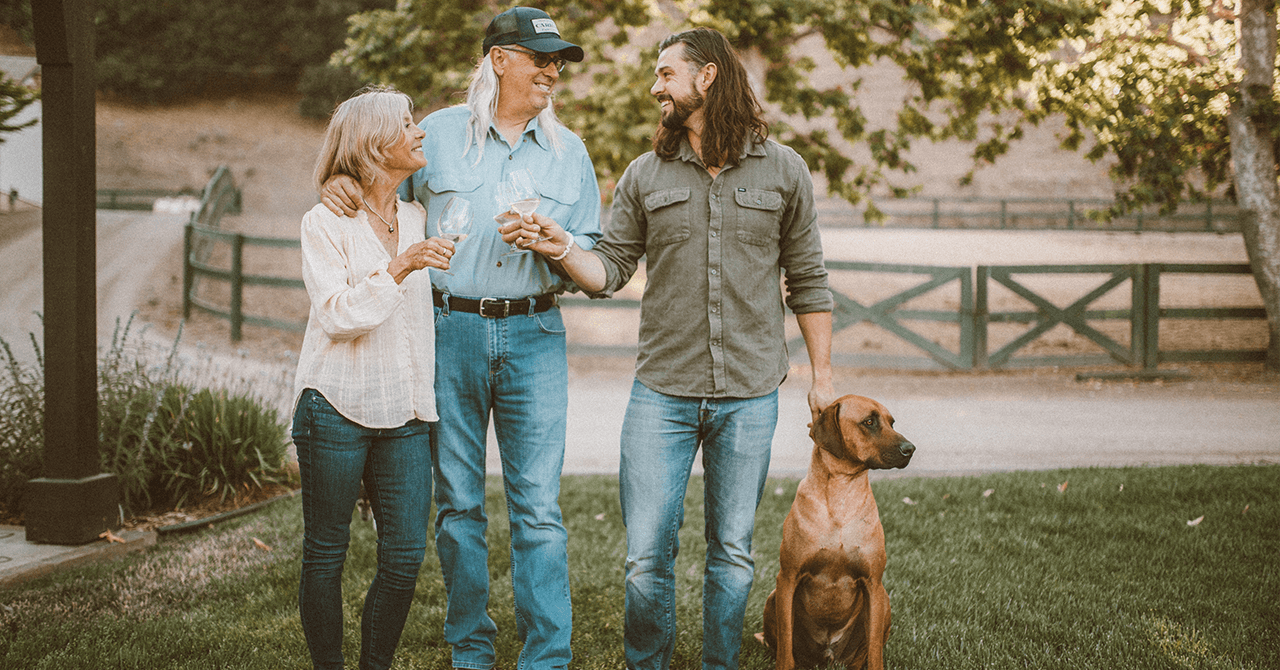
[996,571]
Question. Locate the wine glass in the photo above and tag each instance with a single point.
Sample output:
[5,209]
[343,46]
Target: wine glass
[519,194]
[455,222]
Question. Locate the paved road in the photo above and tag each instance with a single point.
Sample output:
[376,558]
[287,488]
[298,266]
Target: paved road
[130,246]
[983,423]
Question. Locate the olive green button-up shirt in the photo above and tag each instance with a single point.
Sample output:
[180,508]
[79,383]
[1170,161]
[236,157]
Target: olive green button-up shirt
[711,319]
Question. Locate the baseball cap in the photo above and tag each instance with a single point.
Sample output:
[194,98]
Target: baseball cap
[530,28]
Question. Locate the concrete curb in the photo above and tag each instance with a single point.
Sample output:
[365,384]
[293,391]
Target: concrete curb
[21,560]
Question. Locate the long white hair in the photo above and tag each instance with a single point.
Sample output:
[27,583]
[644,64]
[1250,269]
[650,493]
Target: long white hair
[482,102]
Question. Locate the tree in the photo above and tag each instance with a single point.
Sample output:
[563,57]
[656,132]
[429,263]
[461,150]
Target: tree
[1179,93]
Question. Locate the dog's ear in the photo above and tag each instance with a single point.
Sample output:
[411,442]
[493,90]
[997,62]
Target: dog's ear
[826,430]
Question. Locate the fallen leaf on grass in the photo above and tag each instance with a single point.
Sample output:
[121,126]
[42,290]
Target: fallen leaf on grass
[1062,488]
[600,516]
[1196,521]
[778,491]
[111,537]
[261,545]
[987,493]
[908,501]
[1246,509]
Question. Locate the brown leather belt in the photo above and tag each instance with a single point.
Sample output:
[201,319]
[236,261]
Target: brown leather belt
[497,308]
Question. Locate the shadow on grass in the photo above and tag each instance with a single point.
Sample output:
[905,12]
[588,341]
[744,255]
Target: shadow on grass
[1061,569]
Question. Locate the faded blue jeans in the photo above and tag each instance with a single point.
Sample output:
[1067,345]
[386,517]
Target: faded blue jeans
[513,369]
[661,435]
[334,454]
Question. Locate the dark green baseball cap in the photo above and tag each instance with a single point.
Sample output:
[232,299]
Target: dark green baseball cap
[532,29]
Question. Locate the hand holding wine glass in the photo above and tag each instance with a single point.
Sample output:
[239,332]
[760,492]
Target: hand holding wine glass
[519,193]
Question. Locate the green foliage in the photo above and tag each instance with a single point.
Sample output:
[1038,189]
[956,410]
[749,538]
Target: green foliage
[1145,82]
[14,98]
[21,426]
[166,442]
[323,87]
[160,50]
[1106,573]
[227,443]
[17,15]
[428,50]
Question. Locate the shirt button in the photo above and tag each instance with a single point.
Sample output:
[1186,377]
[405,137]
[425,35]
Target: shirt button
[511,158]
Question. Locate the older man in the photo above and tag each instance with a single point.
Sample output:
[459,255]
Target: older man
[500,339]
[719,211]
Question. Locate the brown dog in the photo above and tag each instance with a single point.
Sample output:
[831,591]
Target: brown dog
[830,604]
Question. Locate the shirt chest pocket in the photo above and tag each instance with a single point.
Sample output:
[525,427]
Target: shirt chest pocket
[759,216]
[459,183]
[557,192]
[667,215]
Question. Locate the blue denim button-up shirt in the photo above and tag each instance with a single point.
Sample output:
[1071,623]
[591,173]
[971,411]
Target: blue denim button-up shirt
[567,182]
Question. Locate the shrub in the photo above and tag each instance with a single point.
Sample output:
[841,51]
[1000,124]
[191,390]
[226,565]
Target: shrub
[21,427]
[225,442]
[166,442]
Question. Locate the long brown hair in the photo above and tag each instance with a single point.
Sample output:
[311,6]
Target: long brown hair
[731,112]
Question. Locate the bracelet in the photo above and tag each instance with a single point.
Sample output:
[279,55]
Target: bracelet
[567,247]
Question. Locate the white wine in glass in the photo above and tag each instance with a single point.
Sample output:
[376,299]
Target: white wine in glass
[524,199]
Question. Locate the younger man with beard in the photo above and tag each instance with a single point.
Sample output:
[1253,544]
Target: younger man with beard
[719,211]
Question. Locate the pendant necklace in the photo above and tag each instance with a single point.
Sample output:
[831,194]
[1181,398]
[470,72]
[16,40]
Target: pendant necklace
[390,228]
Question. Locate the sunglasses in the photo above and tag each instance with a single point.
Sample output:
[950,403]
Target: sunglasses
[541,60]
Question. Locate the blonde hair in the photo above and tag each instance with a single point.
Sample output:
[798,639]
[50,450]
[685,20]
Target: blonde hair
[359,132]
[482,102]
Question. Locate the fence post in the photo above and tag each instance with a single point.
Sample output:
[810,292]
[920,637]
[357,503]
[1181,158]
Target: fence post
[935,212]
[188,272]
[1004,209]
[1071,215]
[1208,216]
[1151,316]
[979,353]
[237,286]
[1138,315]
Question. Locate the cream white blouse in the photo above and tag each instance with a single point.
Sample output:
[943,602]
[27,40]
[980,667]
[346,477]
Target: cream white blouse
[369,347]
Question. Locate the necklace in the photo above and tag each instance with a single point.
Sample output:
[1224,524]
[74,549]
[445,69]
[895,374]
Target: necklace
[390,228]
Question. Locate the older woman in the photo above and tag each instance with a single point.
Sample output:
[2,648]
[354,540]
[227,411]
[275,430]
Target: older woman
[364,388]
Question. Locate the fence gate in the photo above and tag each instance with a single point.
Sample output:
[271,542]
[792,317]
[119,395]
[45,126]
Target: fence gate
[1048,315]
[887,315]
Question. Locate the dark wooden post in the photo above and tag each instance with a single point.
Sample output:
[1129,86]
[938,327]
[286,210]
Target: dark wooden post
[74,502]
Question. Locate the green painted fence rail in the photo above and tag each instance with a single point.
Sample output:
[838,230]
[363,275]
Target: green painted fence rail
[201,234]
[977,213]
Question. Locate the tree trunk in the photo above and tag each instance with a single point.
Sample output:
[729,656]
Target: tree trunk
[1254,160]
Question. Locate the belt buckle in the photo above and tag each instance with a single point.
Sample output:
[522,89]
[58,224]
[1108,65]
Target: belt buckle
[498,314]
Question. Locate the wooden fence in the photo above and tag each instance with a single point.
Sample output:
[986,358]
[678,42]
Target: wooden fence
[974,213]
[967,309]
[969,315]
[202,233]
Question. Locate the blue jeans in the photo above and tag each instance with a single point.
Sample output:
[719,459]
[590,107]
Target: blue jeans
[514,369]
[334,454]
[660,436]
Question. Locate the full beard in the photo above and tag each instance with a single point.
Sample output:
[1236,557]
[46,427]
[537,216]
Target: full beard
[675,118]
